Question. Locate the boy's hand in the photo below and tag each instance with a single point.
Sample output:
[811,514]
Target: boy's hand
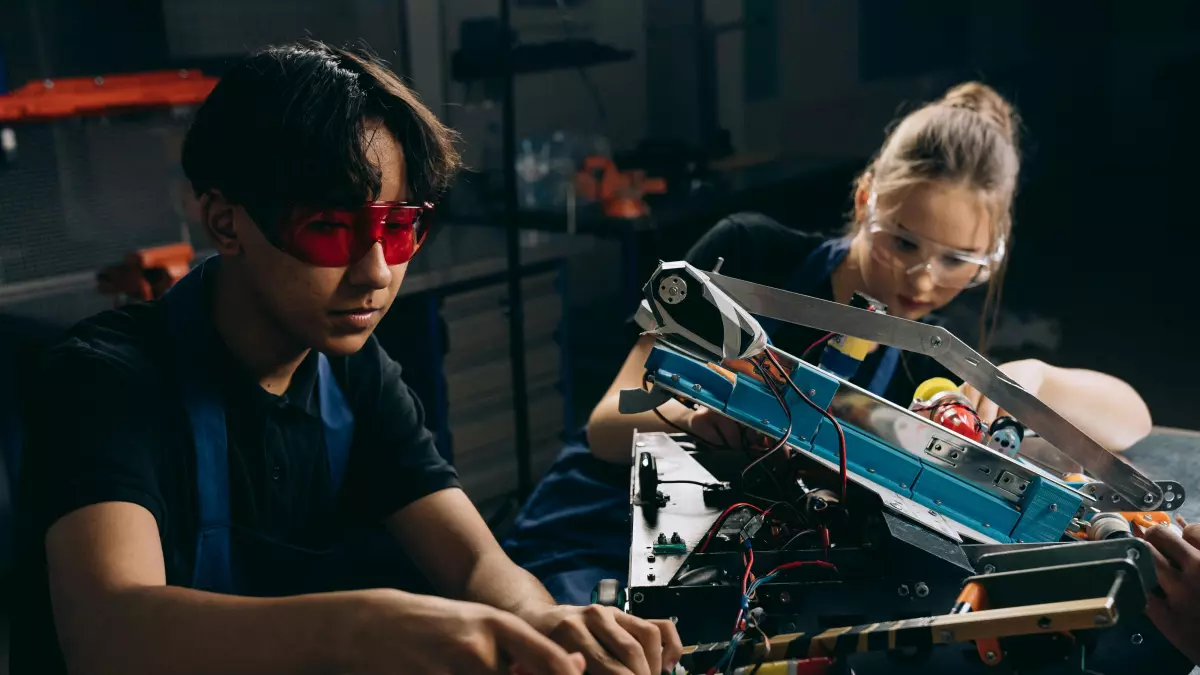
[425,634]
[1177,564]
[612,642]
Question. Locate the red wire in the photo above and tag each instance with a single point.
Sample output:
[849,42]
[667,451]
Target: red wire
[721,518]
[802,563]
[805,353]
[829,416]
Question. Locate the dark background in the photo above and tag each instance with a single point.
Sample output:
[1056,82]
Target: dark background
[796,93]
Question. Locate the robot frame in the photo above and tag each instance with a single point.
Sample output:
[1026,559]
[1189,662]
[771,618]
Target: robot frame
[858,534]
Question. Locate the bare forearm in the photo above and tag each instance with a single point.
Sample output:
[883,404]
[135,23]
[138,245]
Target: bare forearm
[497,581]
[1102,406]
[610,433]
[164,629]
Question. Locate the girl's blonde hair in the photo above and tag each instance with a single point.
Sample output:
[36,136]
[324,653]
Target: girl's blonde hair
[967,139]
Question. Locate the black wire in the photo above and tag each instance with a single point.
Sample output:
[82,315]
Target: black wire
[825,413]
[787,434]
[798,535]
[688,482]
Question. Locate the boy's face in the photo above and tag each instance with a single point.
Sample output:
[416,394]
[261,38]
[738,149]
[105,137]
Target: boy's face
[330,309]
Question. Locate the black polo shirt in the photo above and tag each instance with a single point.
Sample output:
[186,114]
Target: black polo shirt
[107,423]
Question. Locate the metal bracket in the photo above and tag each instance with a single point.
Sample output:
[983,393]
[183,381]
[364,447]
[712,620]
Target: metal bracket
[1109,500]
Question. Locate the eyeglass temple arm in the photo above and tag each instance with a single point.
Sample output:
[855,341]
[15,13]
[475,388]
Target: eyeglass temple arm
[958,358]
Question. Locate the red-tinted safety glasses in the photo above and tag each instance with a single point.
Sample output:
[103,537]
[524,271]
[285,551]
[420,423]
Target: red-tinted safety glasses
[341,237]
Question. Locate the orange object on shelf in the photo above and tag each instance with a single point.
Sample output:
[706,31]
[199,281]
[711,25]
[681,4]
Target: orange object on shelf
[148,273]
[72,97]
[618,192]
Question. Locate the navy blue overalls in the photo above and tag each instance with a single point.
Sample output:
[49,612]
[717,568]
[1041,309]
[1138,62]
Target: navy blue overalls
[231,559]
[574,530]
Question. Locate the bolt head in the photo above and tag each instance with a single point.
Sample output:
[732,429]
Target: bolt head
[1148,499]
[1053,507]
[1136,638]
[922,590]
[902,590]
[935,341]
[812,392]
[696,387]
[990,657]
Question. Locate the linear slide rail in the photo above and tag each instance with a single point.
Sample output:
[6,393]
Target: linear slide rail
[959,359]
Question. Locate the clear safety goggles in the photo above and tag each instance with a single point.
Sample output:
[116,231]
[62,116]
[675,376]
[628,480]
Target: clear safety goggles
[912,253]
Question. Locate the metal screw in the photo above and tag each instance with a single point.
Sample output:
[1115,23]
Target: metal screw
[638,597]
[938,502]
[935,341]
[988,569]
[1116,498]
[902,591]
[1148,499]
[766,422]
[785,597]
[1044,622]
[990,657]
[987,525]
[922,589]
[812,392]
[650,576]
[1136,638]
[1100,619]
[650,558]
[1053,508]
[696,387]
[870,469]
[1134,554]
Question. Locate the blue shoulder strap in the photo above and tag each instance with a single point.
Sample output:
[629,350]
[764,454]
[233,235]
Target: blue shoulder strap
[817,267]
[192,334]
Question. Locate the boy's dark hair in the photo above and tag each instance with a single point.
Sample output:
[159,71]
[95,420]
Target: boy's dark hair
[284,128]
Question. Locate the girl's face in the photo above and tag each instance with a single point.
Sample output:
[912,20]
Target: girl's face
[919,251]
